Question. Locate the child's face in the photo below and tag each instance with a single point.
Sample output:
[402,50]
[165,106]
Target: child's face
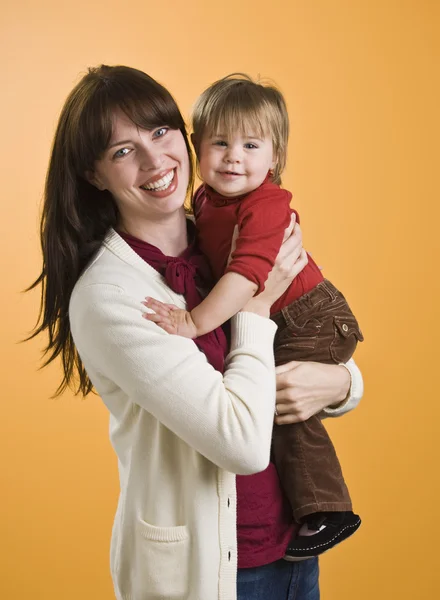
[235,165]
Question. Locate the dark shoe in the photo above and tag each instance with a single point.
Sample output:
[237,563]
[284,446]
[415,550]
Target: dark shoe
[338,527]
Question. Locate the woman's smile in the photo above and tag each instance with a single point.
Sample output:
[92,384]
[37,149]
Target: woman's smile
[161,185]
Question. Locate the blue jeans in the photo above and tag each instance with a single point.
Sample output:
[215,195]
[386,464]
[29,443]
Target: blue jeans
[280,580]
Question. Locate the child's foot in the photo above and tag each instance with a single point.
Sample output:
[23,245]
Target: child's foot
[321,532]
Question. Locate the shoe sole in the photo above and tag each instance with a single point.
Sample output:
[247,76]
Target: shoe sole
[354,526]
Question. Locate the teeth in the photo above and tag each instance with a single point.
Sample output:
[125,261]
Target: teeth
[161,184]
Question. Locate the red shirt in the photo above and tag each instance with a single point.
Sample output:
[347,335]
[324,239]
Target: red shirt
[261,216]
[264,519]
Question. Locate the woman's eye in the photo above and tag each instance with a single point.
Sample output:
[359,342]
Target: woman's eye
[160,132]
[121,152]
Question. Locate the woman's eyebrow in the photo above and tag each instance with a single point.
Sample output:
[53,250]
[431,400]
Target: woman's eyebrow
[118,143]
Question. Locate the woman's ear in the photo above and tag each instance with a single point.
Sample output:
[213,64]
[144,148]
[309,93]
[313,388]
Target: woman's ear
[94,180]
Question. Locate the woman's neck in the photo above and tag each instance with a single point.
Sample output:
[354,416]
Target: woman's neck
[168,234]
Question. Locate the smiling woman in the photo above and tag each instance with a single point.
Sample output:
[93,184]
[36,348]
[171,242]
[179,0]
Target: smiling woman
[186,415]
[142,168]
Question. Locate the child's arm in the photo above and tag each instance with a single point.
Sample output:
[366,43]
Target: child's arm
[228,296]
[239,292]
[231,293]
[262,221]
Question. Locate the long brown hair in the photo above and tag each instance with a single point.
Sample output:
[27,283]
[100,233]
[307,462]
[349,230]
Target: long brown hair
[76,215]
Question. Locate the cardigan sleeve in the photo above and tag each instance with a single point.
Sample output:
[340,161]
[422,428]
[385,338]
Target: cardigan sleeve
[227,418]
[262,219]
[354,395]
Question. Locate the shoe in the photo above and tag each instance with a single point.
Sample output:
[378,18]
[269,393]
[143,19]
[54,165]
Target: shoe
[335,528]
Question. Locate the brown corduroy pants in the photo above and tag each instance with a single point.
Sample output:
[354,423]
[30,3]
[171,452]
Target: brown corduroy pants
[321,327]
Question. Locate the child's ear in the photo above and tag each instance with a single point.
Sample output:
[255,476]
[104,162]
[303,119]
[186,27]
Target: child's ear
[94,180]
[272,169]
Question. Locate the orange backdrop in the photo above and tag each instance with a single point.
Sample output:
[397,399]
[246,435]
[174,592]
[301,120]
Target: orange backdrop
[361,82]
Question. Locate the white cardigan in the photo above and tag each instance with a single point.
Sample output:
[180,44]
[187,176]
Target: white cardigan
[179,428]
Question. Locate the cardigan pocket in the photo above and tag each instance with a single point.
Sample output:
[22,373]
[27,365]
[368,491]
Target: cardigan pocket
[162,562]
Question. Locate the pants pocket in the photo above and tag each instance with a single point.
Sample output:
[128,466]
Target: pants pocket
[161,562]
[347,334]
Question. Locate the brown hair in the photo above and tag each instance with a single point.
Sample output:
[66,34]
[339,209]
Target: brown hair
[237,103]
[76,215]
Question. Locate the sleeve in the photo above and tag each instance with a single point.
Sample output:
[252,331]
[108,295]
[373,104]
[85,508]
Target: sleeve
[228,418]
[262,219]
[355,394]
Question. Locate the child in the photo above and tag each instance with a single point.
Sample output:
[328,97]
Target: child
[240,137]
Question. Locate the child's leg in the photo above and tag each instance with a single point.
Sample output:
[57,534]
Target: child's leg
[309,469]
[321,327]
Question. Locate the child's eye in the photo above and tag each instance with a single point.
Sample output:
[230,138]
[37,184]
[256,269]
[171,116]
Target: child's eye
[121,152]
[220,143]
[250,146]
[160,132]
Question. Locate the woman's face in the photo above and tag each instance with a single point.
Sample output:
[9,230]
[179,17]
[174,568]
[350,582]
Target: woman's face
[146,171]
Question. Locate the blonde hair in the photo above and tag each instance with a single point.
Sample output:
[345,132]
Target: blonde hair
[238,103]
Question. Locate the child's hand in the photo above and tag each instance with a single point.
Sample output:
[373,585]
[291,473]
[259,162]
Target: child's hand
[170,318]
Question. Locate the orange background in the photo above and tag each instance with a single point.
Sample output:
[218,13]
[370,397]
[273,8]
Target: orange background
[361,82]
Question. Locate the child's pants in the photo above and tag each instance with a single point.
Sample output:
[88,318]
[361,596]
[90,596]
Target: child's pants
[319,327]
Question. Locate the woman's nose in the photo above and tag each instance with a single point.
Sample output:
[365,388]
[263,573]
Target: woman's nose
[151,158]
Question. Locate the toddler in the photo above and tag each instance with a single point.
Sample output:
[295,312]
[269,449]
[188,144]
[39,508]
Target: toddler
[240,137]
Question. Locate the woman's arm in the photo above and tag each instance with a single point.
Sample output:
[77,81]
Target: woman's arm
[308,388]
[226,418]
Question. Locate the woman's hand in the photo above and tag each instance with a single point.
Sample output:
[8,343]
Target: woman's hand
[291,260]
[306,388]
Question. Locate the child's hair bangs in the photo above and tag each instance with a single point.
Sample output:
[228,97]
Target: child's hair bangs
[232,118]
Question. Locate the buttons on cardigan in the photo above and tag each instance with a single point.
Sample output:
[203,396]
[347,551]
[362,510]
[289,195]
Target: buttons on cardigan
[345,327]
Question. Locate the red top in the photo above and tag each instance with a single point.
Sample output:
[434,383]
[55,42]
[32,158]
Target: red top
[265,524]
[264,517]
[261,216]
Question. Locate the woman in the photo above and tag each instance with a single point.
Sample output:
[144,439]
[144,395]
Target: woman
[114,230]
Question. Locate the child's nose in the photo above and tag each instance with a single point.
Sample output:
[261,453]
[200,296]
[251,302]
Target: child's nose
[233,155]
